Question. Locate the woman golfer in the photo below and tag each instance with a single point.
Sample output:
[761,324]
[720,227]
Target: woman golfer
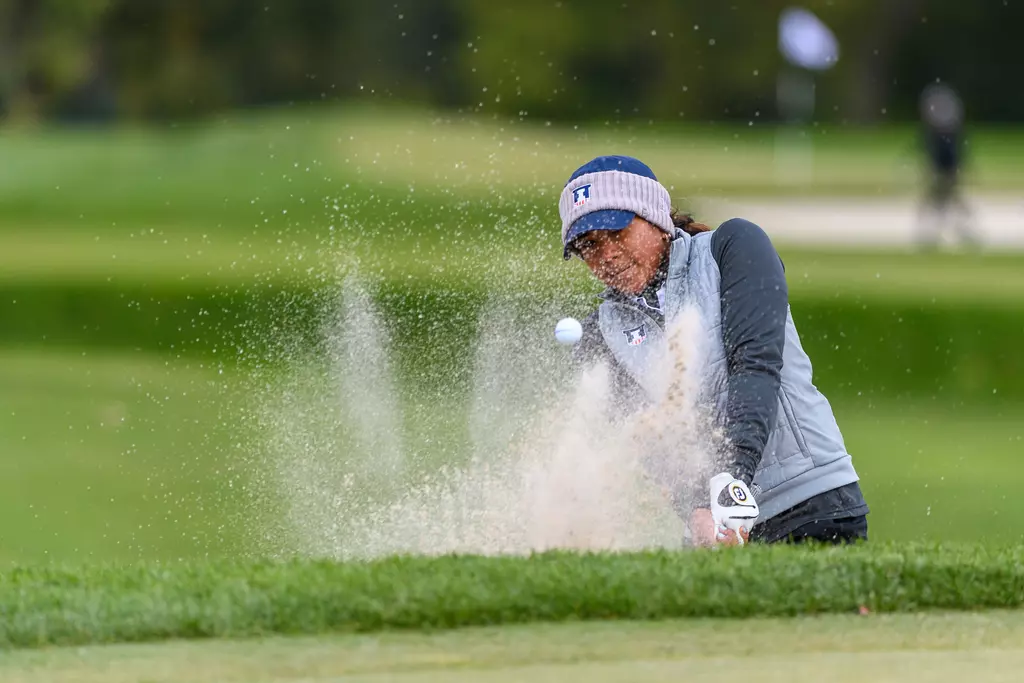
[786,475]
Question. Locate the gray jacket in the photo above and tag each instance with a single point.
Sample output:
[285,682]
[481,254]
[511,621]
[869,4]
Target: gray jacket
[782,432]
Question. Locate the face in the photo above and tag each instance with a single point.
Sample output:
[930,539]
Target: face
[625,259]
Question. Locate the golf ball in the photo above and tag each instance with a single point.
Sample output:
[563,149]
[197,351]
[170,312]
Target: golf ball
[568,331]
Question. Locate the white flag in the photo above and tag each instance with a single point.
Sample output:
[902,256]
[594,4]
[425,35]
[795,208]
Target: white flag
[805,41]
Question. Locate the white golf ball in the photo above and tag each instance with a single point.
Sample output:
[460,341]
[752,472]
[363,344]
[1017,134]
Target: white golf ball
[568,331]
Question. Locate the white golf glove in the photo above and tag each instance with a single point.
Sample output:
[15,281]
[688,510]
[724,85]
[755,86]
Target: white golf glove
[732,506]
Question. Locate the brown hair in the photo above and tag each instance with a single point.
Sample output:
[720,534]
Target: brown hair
[685,222]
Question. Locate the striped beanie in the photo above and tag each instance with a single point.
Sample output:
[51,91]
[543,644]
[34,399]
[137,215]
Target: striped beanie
[607,193]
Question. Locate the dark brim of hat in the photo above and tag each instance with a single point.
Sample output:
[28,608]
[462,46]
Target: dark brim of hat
[608,219]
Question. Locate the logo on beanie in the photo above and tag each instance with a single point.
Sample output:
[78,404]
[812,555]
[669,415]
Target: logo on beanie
[580,195]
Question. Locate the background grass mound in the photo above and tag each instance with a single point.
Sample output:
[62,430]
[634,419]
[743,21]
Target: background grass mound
[101,605]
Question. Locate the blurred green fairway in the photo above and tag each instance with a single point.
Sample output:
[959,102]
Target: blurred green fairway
[114,457]
[274,165]
[938,648]
[122,458]
[141,270]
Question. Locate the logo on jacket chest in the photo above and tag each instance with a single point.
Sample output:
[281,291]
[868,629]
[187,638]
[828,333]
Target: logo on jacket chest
[636,336]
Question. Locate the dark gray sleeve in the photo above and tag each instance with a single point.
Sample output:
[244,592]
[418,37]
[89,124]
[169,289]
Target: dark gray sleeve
[625,392]
[591,347]
[755,303]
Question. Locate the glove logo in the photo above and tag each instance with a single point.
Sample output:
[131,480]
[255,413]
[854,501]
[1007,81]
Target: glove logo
[738,494]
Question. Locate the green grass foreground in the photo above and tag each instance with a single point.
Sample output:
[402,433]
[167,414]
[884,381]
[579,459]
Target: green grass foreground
[141,603]
[937,647]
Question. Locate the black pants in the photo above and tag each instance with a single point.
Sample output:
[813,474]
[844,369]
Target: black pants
[839,531]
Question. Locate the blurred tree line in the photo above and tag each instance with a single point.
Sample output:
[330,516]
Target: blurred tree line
[555,59]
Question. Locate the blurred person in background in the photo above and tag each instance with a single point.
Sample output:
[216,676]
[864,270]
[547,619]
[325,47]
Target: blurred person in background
[944,209]
[785,475]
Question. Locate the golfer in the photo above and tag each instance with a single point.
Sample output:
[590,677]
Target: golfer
[944,206]
[786,475]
